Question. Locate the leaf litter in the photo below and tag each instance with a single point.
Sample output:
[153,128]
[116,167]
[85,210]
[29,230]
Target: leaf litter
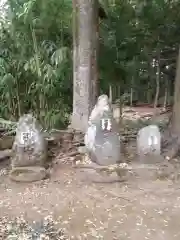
[72,209]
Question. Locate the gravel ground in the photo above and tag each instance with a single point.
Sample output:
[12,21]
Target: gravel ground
[71,207]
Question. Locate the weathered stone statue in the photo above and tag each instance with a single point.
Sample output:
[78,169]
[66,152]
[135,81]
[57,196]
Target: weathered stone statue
[149,141]
[102,138]
[29,149]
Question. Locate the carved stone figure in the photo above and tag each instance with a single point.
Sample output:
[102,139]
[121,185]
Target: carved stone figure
[149,141]
[29,148]
[102,138]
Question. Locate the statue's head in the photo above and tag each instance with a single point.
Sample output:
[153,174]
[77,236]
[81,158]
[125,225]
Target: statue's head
[27,118]
[103,101]
[28,129]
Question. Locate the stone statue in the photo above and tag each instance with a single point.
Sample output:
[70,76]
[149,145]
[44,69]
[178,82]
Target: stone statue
[30,147]
[149,141]
[102,138]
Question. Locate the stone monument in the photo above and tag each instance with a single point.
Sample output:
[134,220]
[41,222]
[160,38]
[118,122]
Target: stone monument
[102,138]
[29,151]
[149,141]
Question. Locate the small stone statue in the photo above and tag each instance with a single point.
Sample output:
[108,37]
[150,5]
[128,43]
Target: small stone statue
[29,148]
[149,141]
[102,138]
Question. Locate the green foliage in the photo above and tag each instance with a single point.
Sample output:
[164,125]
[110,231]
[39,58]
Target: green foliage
[35,62]
[135,34]
[36,54]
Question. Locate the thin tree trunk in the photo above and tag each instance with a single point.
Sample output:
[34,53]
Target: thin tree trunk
[168,92]
[131,92]
[119,91]
[110,93]
[148,95]
[131,97]
[40,104]
[158,74]
[165,94]
[120,104]
[83,52]
[18,99]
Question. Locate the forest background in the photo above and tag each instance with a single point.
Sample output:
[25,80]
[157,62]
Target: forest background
[138,50]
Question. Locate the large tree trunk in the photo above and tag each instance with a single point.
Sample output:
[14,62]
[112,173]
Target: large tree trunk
[85,66]
[95,79]
[171,138]
[176,107]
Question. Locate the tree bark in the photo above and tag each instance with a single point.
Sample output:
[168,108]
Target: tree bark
[171,138]
[95,79]
[176,107]
[85,62]
[110,94]
[158,75]
[165,93]
[131,91]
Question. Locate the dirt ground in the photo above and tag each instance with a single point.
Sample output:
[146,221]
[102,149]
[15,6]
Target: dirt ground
[136,209]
